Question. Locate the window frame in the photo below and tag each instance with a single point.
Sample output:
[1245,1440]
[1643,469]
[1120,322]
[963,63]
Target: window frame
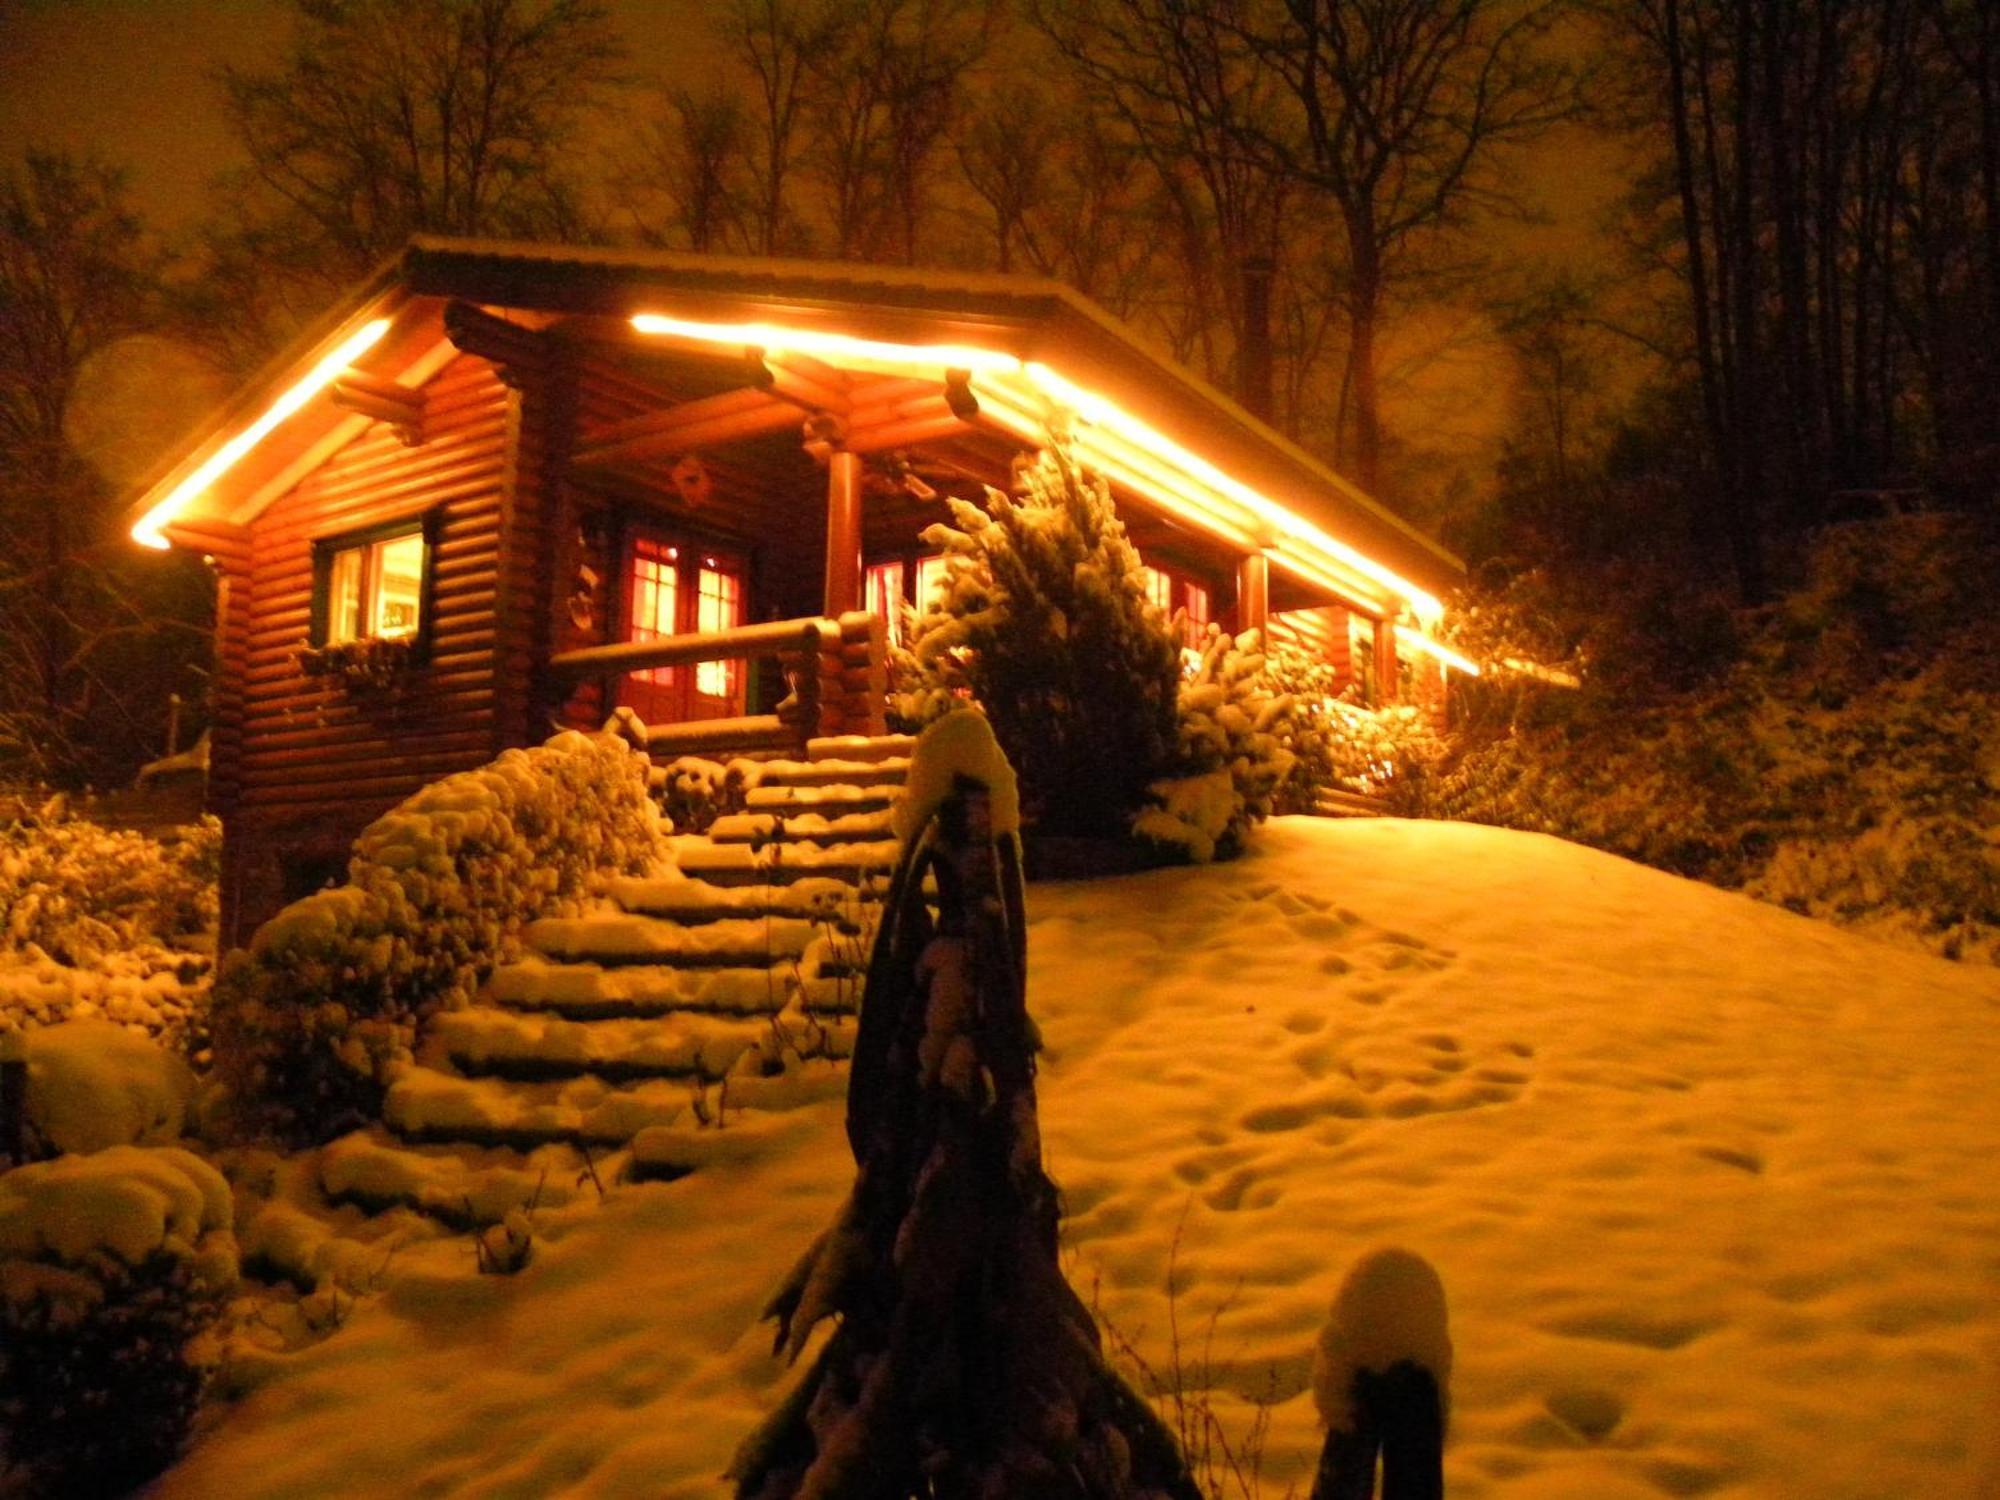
[426,524]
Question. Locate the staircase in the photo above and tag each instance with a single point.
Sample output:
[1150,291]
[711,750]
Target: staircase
[674,1022]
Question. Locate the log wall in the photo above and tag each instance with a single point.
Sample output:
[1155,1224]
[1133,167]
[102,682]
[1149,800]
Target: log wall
[304,763]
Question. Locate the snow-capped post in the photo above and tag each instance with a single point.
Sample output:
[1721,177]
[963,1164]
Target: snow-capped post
[1381,1378]
[963,1365]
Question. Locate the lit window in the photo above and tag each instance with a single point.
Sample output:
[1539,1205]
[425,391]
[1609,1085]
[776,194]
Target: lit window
[656,595]
[718,607]
[375,589]
[1159,588]
[885,597]
[1197,612]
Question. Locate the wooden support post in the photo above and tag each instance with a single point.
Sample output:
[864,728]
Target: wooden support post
[1386,686]
[843,533]
[1253,591]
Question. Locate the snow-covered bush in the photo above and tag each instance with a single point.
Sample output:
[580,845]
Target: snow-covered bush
[1045,621]
[1234,725]
[694,791]
[93,1085]
[92,922]
[113,1267]
[312,1020]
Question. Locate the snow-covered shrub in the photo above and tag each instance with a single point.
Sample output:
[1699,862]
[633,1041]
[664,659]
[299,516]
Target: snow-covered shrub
[694,792]
[313,1019]
[93,1085]
[113,1267]
[92,922]
[1234,725]
[1045,621]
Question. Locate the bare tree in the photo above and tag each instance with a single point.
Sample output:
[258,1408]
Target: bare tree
[79,615]
[686,178]
[394,116]
[780,42]
[1397,111]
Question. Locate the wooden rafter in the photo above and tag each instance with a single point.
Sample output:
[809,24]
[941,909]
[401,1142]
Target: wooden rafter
[709,422]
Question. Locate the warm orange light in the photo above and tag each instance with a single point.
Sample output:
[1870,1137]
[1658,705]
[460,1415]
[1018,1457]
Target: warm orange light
[148,530]
[1555,676]
[830,346]
[1417,640]
[1177,478]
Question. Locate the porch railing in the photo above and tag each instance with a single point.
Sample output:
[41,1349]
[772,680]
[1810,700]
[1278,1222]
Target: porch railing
[836,670]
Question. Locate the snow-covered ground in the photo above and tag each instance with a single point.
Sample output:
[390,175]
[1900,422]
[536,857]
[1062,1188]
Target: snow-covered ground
[1709,1187]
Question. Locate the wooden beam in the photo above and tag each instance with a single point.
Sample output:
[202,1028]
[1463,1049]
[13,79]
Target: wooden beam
[380,400]
[801,380]
[843,532]
[1253,591]
[671,414]
[708,423]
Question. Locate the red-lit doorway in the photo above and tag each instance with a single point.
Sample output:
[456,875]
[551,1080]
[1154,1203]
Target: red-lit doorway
[674,586]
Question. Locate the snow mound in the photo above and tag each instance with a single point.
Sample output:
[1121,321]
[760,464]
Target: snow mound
[94,1084]
[129,1201]
[959,744]
[1390,1310]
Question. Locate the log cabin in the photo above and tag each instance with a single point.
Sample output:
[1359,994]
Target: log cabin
[505,487]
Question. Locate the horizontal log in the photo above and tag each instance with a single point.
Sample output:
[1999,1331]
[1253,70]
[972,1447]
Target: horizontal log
[727,645]
[753,732]
[665,420]
[710,432]
[363,774]
[801,380]
[912,433]
[335,753]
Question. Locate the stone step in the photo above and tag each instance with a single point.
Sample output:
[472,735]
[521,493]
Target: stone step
[782,864]
[887,772]
[830,800]
[853,747]
[489,1042]
[623,937]
[460,1186]
[586,991]
[802,828]
[427,1105]
[675,897]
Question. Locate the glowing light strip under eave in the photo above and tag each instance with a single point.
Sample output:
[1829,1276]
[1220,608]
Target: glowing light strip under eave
[1450,658]
[1091,408]
[148,530]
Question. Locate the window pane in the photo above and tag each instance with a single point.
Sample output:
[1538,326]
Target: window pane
[656,591]
[399,586]
[1160,588]
[1197,612]
[885,597]
[343,596]
[719,606]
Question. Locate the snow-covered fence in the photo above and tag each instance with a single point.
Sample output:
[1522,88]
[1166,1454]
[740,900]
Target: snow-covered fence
[312,1019]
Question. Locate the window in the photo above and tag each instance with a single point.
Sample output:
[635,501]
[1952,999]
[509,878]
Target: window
[887,594]
[719,606]
[656,599]
[1171,590]
[372,586]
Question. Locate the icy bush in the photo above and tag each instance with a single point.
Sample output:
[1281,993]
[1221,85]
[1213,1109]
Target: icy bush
[314,1018]
[92,921]
[1044,620]
[1839,760]
[1234,725]
[93,1085]
[113,1267]
[695,791]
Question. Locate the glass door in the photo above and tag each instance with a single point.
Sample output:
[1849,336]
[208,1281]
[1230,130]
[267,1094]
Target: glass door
[676,587]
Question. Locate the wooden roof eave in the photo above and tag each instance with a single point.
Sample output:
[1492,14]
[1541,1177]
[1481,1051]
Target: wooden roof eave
[379,295]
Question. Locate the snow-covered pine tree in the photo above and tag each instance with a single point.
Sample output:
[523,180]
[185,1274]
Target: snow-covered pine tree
[963,1366]
[1045,620]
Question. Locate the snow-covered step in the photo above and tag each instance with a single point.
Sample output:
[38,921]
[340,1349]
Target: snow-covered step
[805,827]
[589,991]
[853,747]
[629,937]
[461,1186]
[679,898]
[425,1104]
[486,1041]
[889,771]
[830,800]
[781,864]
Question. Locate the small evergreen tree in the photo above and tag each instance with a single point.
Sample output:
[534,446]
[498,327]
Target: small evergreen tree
[1045,621]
